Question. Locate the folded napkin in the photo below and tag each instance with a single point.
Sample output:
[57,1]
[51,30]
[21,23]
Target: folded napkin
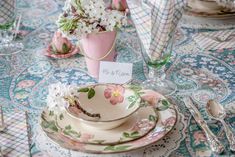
[7,9]
[15,141]
[155,22]
[215,40]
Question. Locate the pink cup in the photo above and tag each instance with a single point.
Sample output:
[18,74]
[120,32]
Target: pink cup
[98,47]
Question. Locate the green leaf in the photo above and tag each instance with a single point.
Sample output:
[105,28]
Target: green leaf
[84,90]
[152,118]
[51,113]
[45,124]
[162,108]
[91,93]
[131,98]
[68,127]
[125,134]
[50,125]
[66,132]
[135,133]
[121,148]
[165,102]
[117,148]
[99,141]
[109,148]
[132,104]
[135,88]
[78,135]
[61,116]
[65,48]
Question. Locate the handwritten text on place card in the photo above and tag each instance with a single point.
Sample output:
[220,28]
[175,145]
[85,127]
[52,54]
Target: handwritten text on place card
[114,72]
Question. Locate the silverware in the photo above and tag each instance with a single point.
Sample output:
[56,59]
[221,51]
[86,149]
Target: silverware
[216,111]
[215,145]
[2,126]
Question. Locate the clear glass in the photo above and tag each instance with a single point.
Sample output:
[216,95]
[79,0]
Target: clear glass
[9,27]
[156,78]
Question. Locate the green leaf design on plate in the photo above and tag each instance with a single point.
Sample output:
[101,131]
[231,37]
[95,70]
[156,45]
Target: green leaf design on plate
[152,118]
[162,108]
[68,127]
[163,105]
[99,141]
[116,148]
[51,113]
[91,93]
[68,131]
[134,133]
[84,90]
[125,134]
[109,148]
[61,116]
[135,88]
[132,104]
[50,125]
[165,102]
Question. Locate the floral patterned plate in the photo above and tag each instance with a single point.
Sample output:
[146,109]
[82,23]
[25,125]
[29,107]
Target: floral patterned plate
[138,125]
[166,122]
[205,8]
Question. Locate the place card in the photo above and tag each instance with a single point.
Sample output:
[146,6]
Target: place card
[114,72]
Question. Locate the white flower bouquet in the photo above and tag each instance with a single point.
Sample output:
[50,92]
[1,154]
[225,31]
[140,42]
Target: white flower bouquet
[81,17]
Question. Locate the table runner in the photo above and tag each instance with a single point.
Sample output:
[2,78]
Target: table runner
[24,77]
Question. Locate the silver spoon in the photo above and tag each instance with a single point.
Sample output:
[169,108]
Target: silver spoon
[216,110]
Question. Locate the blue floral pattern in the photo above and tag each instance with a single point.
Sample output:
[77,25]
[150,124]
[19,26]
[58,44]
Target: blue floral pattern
[24,77]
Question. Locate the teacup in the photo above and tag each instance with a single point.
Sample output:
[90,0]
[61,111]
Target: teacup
[104,106]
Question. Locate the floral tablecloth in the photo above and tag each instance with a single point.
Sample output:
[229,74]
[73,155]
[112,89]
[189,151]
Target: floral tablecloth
[205,74]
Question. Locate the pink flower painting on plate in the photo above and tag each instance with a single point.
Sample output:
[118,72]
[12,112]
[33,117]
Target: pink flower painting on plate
[114,93]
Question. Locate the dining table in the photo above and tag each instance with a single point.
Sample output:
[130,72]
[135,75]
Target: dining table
[197,68]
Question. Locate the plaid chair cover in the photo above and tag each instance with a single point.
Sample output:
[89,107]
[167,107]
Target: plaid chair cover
[156,21]
[7,11]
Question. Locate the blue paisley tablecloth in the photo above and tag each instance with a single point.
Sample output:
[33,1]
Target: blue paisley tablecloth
[24,77]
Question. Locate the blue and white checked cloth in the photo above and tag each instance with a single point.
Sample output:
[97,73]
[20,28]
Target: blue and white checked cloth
[156,21]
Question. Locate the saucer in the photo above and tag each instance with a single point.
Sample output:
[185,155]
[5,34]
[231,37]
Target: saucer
[138,125]
[166,122]
[208,9]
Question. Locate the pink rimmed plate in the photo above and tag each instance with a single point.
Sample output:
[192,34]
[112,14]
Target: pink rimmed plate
[138,125]
[166,122]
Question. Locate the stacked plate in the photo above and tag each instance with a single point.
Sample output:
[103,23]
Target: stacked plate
[208,8]
[109,118]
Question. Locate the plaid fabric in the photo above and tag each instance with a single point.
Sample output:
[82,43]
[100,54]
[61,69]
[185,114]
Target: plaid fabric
[156,20]
[215,40]
[7,10]
[14,140]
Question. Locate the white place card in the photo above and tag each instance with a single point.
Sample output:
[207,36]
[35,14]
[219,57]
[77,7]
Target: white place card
[114,72]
